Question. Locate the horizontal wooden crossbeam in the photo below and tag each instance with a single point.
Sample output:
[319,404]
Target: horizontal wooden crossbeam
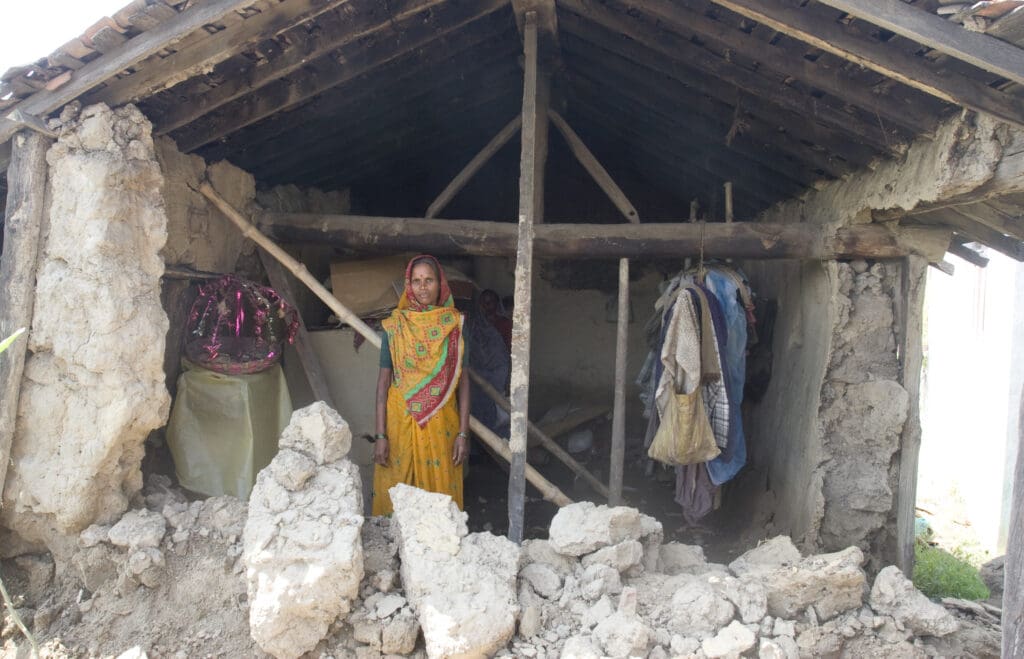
[608,241]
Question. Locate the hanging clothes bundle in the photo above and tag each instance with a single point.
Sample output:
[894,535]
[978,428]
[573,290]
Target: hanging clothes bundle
[692,382]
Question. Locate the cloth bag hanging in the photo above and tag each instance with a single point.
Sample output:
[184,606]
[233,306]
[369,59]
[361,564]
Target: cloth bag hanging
[685,436]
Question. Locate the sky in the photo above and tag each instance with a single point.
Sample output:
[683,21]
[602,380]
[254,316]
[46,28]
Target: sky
[32,29]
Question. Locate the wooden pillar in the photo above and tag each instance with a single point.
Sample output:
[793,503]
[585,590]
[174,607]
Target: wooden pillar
[531,209]
[909,311]
[26,191]
[1013,575]
[618,452]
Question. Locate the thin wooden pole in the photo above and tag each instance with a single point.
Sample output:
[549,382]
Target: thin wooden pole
[618,452]
[473,166]
[531,210]
[728,201]
[546,488]
[594,167]
[604,180]
[910,311]
[1013,575]
[545,439]
[280,279]
[26,180]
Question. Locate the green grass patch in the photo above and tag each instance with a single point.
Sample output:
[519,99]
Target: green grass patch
[938,573]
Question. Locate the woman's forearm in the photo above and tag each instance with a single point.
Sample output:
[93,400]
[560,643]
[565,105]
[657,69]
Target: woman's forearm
[383,383]
[464,404]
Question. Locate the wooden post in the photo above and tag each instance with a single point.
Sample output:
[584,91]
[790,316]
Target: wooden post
[550,492]
[26,181]
[531,209]
[618,452]
[909,310]
[728,201]
[1013,574]
[280,279]
[473,166]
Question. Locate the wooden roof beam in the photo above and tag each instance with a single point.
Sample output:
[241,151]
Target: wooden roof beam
[707,128]
[412,144]
[278,92]
[682,50]
[382,121]
[882,58]
[749,176]
[155,76]
[983,51]
[607,241]
[639,64]
[968,226]
[393,135]
[679,19]
[127,55]
[669,166]
[446,61]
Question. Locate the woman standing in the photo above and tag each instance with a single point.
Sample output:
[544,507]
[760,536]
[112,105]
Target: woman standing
[422,437]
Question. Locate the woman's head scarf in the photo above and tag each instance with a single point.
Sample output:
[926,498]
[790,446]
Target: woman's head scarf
[426,347]
[444,293]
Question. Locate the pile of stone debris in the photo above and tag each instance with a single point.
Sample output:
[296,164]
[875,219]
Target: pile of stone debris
[300,572]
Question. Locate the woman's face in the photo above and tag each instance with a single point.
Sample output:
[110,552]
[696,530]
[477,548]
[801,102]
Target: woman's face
[425,285]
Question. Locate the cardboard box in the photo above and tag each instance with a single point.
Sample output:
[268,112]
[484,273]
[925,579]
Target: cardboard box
[370,287]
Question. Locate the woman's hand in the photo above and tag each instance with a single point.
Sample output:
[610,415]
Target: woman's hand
[381,452]
[460,451]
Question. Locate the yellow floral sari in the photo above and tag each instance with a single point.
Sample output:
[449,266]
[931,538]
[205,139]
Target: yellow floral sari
[426,348]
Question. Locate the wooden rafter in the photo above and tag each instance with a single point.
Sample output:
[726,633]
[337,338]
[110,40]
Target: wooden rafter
[903,67]
[680,19]
[638,63]
[969,226]
[712,117]
[126,55]
[980,50]
[798,240]
[474,165]
[699,131]
[232,106]
[753,177]
[958,247]
[155,76]
[682,52]
[446,61]
[397,135]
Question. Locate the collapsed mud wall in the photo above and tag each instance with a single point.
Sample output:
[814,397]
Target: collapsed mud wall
[93,386]
[199,237]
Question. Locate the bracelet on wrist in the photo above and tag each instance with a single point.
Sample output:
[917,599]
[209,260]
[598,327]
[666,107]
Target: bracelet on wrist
[462,434]
[380,435]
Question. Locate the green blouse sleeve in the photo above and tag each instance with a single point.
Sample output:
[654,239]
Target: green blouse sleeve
[385,352]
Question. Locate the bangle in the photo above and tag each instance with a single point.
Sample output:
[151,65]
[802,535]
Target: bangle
[462,435]
[380,435]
